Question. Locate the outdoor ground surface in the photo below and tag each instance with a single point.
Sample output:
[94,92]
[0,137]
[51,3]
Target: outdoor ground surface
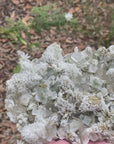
[95,28]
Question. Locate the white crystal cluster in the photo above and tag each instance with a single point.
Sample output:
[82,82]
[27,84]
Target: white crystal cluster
[67,97]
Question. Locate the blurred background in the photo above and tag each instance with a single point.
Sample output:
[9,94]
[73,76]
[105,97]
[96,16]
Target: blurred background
[32,25]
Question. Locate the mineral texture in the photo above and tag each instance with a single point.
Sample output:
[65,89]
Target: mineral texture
[67,97]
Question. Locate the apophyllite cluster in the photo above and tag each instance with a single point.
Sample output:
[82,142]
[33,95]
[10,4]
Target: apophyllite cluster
[67,97]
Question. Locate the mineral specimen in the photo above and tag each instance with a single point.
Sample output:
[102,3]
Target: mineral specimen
[67,97]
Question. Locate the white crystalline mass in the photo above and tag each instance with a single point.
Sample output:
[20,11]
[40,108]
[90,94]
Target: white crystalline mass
[67,97]
[20,142]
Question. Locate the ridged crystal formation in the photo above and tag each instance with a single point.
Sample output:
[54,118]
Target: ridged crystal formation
[67,97]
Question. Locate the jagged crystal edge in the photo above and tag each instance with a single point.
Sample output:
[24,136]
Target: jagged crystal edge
[67,97]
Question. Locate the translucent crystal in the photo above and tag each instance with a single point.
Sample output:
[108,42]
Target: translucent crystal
[67,97]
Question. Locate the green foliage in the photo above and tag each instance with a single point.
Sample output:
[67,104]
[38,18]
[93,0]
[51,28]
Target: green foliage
[45,17]
[13,31]
[17,69]
[34,45]
[90,24]
[73,24]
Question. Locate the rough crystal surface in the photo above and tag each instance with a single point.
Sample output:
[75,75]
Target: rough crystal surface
[67,97]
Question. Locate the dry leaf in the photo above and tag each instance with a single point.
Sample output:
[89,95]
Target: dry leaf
[76,1]
[16,2]
[52,32]
[2,64]
[3,40]
[72,10]
[0,129]
[8,137]
[23,47]
[2,136]
[32,32]
[64,46]
[13,15]
[3,142]
[39,2]
[80,47]
[23,35]
[77,9]
[2,89]
[25,19]
[28,6]
[11,125]
[68,41]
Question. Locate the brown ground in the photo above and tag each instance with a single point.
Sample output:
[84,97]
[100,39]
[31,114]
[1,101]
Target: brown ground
[20,9]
